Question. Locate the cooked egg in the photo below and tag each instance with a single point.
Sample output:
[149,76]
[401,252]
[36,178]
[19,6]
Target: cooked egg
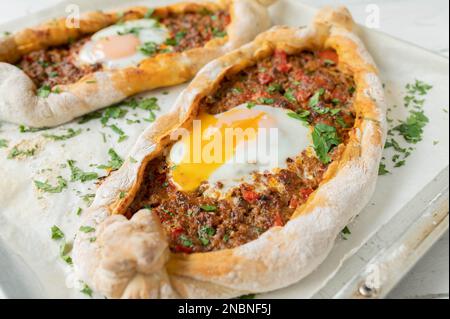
[230,146]
[117,46]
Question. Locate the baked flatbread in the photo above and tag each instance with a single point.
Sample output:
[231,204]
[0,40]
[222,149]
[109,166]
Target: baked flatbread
[159,234]
[53,73]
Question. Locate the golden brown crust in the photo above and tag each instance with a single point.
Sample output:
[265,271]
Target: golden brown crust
[19,103]
[282,255]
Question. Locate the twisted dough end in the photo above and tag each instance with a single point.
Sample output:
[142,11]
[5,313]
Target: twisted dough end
[132,258]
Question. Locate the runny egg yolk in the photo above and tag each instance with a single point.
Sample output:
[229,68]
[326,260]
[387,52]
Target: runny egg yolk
[209,145]
[117,46]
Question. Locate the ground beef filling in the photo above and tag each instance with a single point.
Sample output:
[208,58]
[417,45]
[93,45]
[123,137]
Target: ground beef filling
[196,223]
[56,66]
[194,29]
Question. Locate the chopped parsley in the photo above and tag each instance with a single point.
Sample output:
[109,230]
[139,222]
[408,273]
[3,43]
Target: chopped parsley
[112,112]
[3,143]
[25,129]
[44,91]
[315,99]
[275,87]
[412,128]
[16,152]
[301,115]
[218,33]
[64,250]
[70,133]
[176,39]
[382,169]
[324,139]
[90,116]
[56,233]
[185,241]
[88,198]
[205,233]
[346,232]
[87,229]
[208,208]
[48,188]
[114,163]
[120,132]
[265,101]
[149,48]
[78,175]
[251,105]
[289,95]
[86,290]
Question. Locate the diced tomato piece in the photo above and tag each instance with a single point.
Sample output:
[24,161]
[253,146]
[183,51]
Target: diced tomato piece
[183,249]
[302,95]
[278,221]
[281,61]
[177,232]
[250,196]
[227,20]
[305,192]
[264,78]
[329,55]
[339,94]
[293,203]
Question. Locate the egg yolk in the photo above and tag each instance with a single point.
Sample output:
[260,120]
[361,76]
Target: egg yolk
[212,141]
[117,46]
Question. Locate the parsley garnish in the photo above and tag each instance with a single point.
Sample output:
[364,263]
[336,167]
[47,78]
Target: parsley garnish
[382,169]
[265,100]
[346,231]
[46,187]
[87,229]
[115,162]
[324,138]
[412,129]
[205,233]
[274,88]
[289,95]
[86,290]
[117,130]
[56,233]
[16,152]
[208,208]
[315,99]
[44,91]
[185,241]
[301,115]
[251,105]
[70,133]
[218,33]
[3,143]
[149,48]
[79,175]
[25,129]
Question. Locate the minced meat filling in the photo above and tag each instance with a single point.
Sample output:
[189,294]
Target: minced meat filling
[194,29]
[309,84]
[56,66]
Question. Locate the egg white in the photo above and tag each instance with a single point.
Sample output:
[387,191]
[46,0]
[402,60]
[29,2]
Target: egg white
[149,31]
[288,141]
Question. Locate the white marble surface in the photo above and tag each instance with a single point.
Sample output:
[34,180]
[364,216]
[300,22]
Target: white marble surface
[422,22]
